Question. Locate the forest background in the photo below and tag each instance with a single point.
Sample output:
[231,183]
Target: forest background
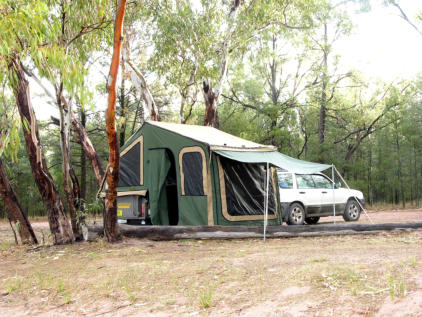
[274,69]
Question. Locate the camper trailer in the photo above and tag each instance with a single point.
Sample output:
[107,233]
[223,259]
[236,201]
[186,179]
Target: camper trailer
[180,174]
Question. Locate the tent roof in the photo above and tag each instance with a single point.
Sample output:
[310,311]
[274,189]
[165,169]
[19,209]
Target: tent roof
[215,138]
[275,158]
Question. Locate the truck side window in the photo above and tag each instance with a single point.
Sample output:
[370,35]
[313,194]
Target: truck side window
[285,181]
[322,182]
[304,181]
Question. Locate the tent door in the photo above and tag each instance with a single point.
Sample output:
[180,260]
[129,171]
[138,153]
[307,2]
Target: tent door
[171,191]
[163,191]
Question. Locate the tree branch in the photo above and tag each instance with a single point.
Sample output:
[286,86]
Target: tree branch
[238,101]
[405,17]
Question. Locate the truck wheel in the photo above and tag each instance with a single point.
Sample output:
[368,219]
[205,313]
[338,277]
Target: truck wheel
[296,214]
[311,220]
[352,211]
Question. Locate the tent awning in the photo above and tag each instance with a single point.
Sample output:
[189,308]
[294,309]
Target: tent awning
[275,158]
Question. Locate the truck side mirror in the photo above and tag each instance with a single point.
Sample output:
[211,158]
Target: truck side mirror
[337,185]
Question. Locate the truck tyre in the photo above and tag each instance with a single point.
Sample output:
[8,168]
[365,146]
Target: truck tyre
[311,220]
[296,214]
[352,211]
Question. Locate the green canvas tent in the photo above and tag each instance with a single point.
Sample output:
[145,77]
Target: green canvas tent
[181,174]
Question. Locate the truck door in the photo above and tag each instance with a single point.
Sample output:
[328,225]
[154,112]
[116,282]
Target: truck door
[325,189]
[308,193]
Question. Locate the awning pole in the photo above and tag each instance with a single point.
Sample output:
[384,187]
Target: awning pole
[364,210]
[334,196]
[266,202]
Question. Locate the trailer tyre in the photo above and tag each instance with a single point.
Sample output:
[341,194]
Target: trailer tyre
[296,214]
[352,211]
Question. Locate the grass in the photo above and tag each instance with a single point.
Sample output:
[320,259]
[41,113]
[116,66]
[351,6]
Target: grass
[389,206]
[319,260]
[391,279]
[14,284]
[187,275]
[205,298]
[127,282]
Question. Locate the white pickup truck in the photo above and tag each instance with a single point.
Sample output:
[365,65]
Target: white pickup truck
[307,197]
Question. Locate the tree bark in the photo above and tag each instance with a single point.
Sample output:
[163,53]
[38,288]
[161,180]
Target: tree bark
[142,86]
[72,195]
[59,223]
[323,105]
[211,100]
[111,230]
[399,167]
[247,232]
[89,150]
[416,176]
[14,210]
[83,161]
[211,95]
[139,108]
[184,93]
[122,102]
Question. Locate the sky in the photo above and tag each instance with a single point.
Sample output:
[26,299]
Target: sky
[382,46]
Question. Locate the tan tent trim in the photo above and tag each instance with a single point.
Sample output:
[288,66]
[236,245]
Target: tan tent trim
[206,181]
[204,167]
[139,140]
[209,197]
[260,149]
[273,171]
[131,193]
[224,200]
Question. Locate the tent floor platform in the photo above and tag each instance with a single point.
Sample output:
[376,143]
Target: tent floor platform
[160,233]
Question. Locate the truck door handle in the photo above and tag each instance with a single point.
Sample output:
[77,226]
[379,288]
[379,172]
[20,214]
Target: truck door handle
[324,192]
[302,192]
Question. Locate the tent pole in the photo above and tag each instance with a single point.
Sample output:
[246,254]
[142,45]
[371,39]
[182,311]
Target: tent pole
[266,202]
[334,196]
[364,210]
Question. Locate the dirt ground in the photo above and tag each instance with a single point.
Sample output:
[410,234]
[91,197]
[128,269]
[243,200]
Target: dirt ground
[385,216]
[373,275]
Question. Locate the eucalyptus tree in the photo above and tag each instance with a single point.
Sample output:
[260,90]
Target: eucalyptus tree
[334,22]
[193,42]
[361,112]
[73,37]
[273,80]
[136,38]
[9,147]
[111,230]
[414,21]
[24,27]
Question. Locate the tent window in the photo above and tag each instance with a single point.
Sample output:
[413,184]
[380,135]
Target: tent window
[244,185]
[131,165]
[193,173]
[192,170]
